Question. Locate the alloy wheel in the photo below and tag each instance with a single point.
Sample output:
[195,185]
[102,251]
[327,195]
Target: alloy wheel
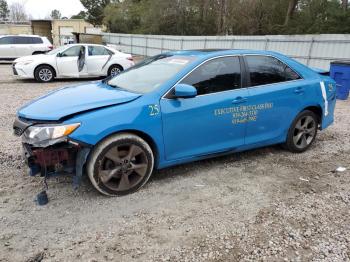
[304,132]
[45,74]
[115,71]
[123,167]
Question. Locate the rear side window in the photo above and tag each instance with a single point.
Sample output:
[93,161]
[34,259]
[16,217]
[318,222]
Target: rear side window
[98,50]
[6,40]
[36,40]
[217,75]
[19,40]
[265,70]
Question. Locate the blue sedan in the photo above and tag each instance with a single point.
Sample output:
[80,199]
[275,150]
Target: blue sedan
[174,108]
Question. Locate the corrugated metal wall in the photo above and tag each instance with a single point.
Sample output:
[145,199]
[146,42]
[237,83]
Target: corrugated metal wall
[312,50]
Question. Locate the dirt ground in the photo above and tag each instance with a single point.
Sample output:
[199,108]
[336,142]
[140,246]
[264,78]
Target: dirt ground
[265,204]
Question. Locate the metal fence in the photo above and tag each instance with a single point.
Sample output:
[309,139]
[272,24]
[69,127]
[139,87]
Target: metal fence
[312,50]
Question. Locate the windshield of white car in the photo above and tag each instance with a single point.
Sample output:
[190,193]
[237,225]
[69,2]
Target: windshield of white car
[57,50]
[148,75]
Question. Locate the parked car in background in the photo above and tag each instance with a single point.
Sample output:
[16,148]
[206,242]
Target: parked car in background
[14,46]
[174,108]
[73,61]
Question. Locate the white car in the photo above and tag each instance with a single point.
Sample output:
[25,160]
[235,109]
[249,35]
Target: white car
[73,61]
[13,46]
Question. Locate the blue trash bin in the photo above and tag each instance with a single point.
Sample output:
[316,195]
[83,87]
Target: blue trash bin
[340,72]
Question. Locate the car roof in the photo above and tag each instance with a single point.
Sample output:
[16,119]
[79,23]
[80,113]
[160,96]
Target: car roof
[23,35]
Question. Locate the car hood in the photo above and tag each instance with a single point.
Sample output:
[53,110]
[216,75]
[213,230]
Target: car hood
[74,99]
[30,57]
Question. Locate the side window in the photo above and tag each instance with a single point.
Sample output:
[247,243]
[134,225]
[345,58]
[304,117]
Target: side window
[36,40]
[21,40]
[97,50]
[72,51]
[217,75]
[265,70]
[6,40]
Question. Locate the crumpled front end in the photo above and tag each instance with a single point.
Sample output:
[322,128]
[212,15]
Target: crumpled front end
[49,157]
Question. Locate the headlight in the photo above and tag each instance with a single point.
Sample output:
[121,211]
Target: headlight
[27,62]
[41,133]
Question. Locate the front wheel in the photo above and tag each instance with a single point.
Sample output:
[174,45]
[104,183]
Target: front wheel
[120,165]
[302,132]
[44,73]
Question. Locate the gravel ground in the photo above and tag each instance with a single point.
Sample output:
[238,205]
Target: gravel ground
[265,204]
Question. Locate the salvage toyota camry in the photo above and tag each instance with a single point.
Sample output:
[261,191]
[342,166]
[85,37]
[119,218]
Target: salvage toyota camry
[174,108]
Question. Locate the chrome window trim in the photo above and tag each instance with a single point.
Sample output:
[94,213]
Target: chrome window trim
[212,58]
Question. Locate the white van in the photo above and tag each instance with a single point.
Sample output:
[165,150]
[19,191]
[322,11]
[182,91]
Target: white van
[14,46]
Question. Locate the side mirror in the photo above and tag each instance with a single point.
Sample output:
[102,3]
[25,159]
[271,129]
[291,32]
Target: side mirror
[185,91]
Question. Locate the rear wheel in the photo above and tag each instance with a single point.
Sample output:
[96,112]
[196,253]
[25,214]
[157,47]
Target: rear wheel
[44,73]
[114,70]
[120,165]
[302,132]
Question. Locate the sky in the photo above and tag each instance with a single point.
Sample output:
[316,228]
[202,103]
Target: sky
[39,9]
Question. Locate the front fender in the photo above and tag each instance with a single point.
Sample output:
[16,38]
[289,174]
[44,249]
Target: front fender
[101,123]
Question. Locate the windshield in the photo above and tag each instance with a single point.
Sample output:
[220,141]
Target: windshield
[148,75]
[57,50]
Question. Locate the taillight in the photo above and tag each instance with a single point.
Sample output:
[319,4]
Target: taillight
[50,47]
[131,58]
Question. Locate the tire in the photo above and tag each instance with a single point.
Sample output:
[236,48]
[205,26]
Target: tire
[44,74]
[120,164]
[115,70]
[38,53]
[302,132]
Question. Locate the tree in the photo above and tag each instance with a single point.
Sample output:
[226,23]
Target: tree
[17,12]
[80,15]
[345,4]
[95,10]
[4,10]
[290,11]
[56,14]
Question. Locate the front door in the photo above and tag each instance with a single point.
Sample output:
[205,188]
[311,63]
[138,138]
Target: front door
[70,62]
[207,123]
[276,95]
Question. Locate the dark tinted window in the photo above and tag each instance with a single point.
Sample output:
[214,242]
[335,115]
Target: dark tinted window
[19,40]
[268,70]
[6,40]
[220,74]
[36,40]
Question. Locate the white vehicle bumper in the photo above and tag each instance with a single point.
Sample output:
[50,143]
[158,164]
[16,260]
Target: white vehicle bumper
[23,71]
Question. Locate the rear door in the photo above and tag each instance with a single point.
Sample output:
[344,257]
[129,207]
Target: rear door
[23,46]
[7,47]
[97,59]
[206,123]
[276,96]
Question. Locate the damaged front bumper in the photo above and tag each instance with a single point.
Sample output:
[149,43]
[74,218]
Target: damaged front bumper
[60,156]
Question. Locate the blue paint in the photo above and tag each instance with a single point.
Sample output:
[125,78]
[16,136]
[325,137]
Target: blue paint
[188,129]
[340,72]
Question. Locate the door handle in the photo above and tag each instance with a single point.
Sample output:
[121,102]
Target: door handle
[239,100]
[299,90]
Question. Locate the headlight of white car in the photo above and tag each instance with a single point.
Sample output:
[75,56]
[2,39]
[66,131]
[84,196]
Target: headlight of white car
[42,133]
[27,62]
